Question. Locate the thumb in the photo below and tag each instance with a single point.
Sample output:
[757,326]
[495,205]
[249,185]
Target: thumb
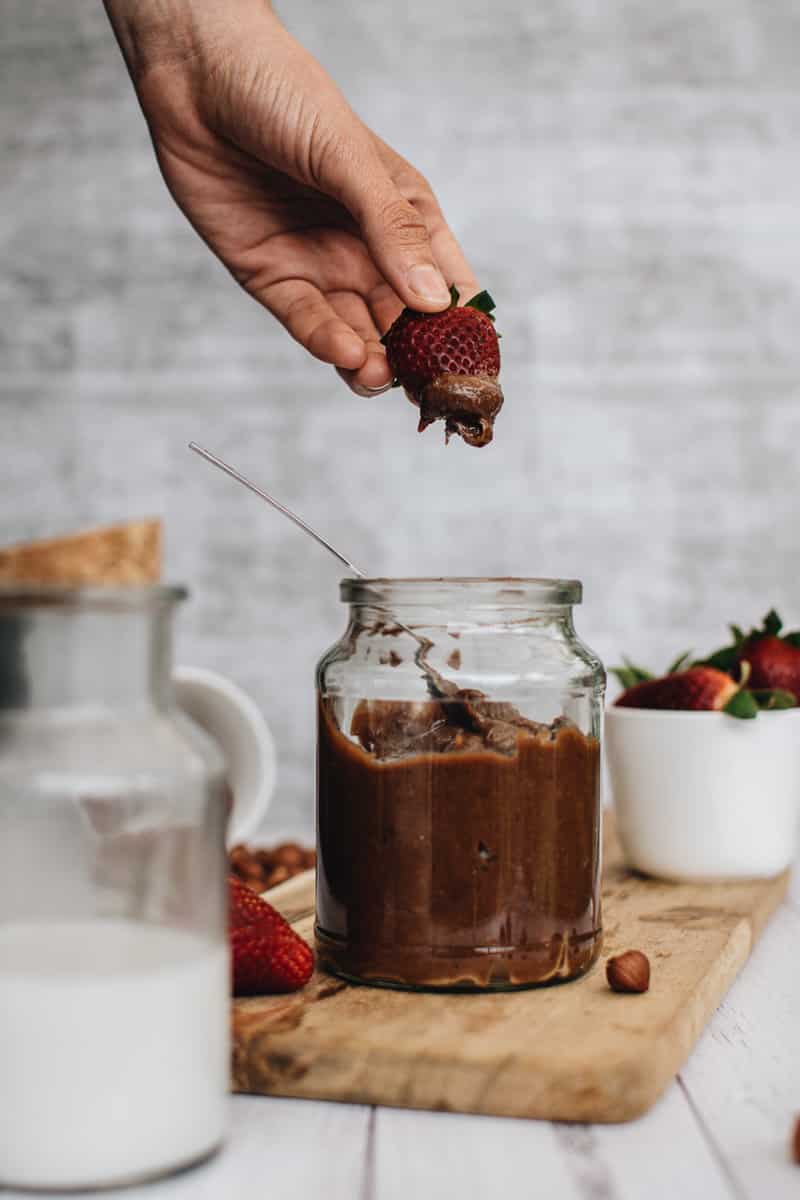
[398,239]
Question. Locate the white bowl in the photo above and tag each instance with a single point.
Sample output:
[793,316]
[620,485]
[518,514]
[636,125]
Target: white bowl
[705,796]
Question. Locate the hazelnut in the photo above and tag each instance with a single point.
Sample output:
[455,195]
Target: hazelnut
[277,875]
[289,854]
[796,1142]
[628,972]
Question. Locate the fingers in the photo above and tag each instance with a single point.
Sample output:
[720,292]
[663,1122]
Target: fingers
[385,305]
[415,188]
[313,322]
[374,375]
[396,235]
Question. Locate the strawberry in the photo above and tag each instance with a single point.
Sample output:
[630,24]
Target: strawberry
[267,954]
[245,906]
[698,688]
[448,363]
[266,961]
[758,671]
[773,659]
[774,664]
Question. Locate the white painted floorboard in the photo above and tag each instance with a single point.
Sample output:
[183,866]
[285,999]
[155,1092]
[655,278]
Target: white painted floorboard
[277,1150]
[744,1076]
[448,1156]
[662,1156]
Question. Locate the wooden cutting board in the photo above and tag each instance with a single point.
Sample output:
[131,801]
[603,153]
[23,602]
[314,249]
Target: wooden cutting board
[574,1052]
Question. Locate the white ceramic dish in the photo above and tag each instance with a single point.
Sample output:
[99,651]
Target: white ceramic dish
[702,795]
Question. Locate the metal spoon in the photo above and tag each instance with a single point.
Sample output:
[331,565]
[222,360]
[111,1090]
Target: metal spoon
[437,685]
[234,474]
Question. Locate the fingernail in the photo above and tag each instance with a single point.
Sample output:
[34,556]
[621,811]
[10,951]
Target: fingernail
[428,283]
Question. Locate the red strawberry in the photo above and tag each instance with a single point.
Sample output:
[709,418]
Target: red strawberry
[245,906]
[774,664]
[266,961]
[267,954]
[773,657]
[448,363]
[696,689]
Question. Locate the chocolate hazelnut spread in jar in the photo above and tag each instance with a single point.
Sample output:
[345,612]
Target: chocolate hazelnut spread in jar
[458,786]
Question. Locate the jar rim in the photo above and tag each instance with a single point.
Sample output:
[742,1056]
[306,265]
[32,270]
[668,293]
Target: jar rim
[96,597]
[495,591]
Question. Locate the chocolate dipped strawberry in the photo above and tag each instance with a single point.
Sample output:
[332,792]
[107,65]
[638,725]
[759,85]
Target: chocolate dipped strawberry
[448,363]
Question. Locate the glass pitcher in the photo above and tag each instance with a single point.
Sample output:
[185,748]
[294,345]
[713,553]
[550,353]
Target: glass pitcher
[114,974]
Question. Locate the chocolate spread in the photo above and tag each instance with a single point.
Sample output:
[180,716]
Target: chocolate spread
[458,845]
[468,405]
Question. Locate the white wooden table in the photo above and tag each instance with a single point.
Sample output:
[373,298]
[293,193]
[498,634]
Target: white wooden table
[719,1133]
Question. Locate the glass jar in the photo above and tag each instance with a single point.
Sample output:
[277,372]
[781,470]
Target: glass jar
[114,974]
[458,786]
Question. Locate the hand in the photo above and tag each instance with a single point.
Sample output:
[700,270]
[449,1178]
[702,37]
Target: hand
[315,216]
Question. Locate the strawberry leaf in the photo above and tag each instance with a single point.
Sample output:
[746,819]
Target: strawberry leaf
[484,303]
[680,662]
[629,675]
[772,624]
[792,639]
[775,698]
[454,296]
[742,705]
[723,660]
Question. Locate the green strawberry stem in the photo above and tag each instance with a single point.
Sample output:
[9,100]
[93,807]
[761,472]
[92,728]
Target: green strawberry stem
[681,662]
[629,675]
[748,703]
[742,705]
[484,303]
[774,698]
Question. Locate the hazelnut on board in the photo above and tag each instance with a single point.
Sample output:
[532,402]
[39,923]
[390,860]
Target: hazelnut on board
[628,972]
[288,854]
[278,874]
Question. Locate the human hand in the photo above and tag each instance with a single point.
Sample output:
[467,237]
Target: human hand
[313,214]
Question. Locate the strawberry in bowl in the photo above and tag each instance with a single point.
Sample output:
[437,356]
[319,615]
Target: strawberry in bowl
[699,689]
[703,789]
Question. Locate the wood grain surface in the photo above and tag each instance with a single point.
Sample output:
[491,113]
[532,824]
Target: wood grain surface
[574,1052]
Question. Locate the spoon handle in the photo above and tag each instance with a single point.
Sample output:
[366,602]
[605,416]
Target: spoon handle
[234,474]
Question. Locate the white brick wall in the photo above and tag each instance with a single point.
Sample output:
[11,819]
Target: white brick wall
[626,179]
